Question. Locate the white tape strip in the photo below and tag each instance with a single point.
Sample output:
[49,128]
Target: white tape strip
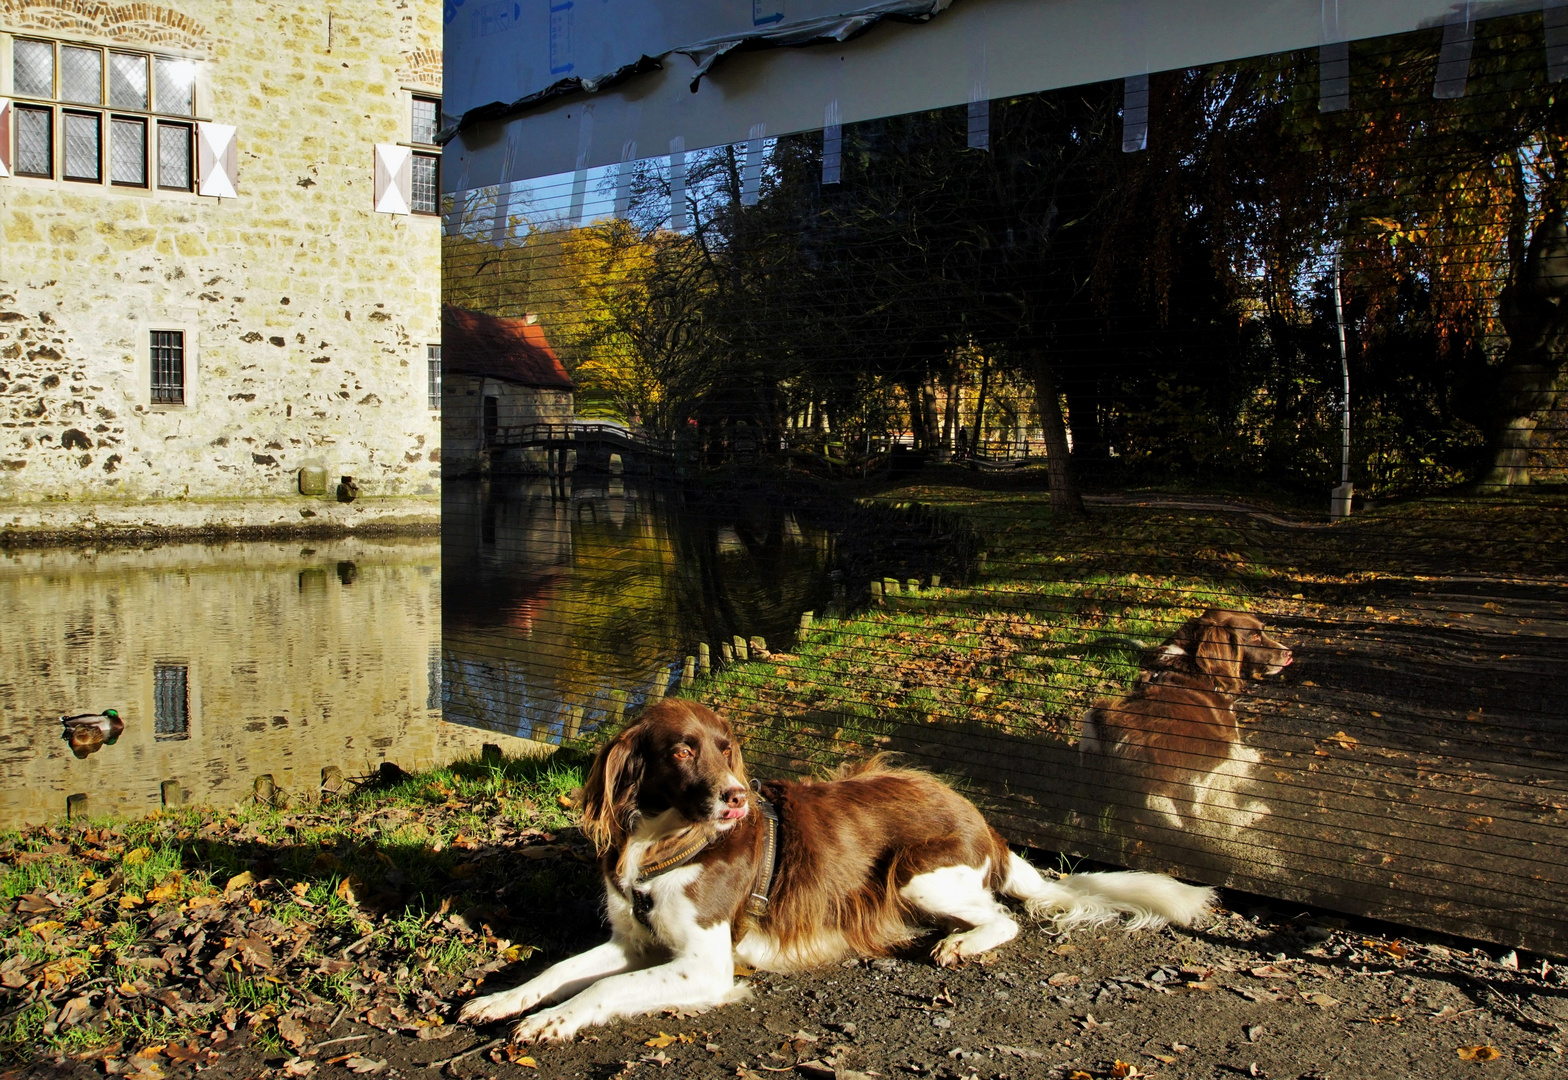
[623,179]
[574,213]
[1135,114]
[1453,62]
[1334,76]
[678,184]
[751,178]
[832,144]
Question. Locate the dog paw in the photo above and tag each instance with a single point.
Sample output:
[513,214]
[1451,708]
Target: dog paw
[487,1010]
[550,1026]
[949,952]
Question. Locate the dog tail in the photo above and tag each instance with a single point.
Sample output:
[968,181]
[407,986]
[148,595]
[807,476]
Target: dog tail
[1079,901]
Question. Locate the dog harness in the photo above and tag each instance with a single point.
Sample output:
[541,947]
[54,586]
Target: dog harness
[756,903]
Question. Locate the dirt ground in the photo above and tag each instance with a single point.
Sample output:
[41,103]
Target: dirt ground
[1259,992]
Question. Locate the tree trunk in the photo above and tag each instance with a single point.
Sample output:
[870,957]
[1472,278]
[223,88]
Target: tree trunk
[1534,309]
[1064,492]
[917,420]
[950,410]
[977,436]
[932,437]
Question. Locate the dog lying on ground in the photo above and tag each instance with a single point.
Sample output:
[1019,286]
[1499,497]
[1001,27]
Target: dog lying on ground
[701,872]
[1175,739]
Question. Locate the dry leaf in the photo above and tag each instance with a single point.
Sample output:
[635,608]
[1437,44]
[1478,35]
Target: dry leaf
[661,1040]
[365,1066]
[1322,1001]
[1348,742]
[293,1032]
[1479,1053]
[239,881]
[1079,1074]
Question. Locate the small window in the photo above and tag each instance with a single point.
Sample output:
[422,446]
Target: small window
[174,83]
[81,75]
[426,120]
[84,147]
[32,68]
[174,157]
[128,80]
[128,151]
[171,718]
[433,366]
[34,140]
[425,182]
[168,367]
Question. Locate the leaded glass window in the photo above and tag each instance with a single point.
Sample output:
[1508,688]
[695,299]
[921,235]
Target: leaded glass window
[425,183]
[34,140]
[174,156]
[32,68]
[128,151]
[84,146]
[168,367]
[81,75]
[128,80]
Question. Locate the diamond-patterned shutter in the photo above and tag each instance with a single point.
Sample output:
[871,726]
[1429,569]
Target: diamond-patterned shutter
[394,187]
[5,136]
[217,160]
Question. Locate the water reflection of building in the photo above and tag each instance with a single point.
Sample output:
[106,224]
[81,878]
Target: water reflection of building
[226,662]
[498,374]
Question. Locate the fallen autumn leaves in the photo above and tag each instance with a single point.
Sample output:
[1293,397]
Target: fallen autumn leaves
[175,939]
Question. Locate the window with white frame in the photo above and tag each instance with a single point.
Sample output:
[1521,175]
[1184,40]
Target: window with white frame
[98,115]
[433,368]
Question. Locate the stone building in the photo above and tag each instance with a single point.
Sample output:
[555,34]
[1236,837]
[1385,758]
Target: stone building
[219,261]
[501,376]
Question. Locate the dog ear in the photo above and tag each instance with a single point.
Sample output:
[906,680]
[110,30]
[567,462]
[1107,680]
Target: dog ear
[737,763]
[1217,651]
[611,789]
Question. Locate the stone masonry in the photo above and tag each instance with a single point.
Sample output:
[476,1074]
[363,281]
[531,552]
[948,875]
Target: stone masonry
[306,313]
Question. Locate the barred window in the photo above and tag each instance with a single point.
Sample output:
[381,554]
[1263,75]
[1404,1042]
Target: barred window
[168,367]
[433,365]
[93,145]
[171,702]
[426,184]
[426,120]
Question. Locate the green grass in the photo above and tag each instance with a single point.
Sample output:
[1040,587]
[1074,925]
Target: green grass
[383,861]
[1059,608]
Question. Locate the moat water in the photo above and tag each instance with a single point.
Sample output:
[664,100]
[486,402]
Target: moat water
[232,661]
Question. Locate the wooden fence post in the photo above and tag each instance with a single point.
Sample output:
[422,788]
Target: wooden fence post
[76,805]
[704,659]
[171,793]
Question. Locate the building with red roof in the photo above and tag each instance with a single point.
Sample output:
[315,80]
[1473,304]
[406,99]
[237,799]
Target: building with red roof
[497,374]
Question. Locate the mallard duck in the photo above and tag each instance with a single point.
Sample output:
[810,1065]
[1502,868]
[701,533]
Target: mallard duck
[90,732]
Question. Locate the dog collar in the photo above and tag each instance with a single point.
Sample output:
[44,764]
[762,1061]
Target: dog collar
[642,903]
[757,902]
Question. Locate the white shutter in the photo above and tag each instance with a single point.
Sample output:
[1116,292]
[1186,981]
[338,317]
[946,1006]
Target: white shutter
[394,179]
[217,160]
[5,136]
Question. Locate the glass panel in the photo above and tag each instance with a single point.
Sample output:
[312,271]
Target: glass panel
[426,120]
[168,367]
[34,152]
[128,151]
[81,75]
[425,167]
[128,80]
[174,83]
[174,156]
[83,141]
[32,68]
[433,361]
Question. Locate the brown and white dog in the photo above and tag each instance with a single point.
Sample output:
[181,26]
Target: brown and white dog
[863,862]
[1175,739]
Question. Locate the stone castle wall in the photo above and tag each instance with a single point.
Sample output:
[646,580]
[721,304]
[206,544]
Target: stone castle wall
[307,314]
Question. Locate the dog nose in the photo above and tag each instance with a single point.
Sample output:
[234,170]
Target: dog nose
[735,798]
